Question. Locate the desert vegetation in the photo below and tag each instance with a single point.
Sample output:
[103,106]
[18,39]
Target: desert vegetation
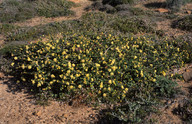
[114,58]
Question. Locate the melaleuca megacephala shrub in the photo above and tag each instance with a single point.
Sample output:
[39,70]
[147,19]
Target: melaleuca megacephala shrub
[112,69]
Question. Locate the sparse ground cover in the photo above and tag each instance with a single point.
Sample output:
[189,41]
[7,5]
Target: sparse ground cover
[15,10]
[120,60]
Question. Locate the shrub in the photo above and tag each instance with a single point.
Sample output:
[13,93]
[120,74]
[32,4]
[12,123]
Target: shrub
[176,4]
[5,28]
[184,23]
[133,25]
[61,56]
[15,10]
[5,55]
[54,8]
[113,70]
[165,87]
[123,7]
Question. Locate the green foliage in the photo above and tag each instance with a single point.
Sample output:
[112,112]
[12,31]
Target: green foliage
[165,87]
[133,25]
[184,23]
[89,23]
[5,55]
[14,10]
[131,112]
[114,70]
[175,5]
[5,28]
[54,8]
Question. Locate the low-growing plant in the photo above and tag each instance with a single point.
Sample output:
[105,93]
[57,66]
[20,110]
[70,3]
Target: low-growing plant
[133,25]
[184,23]
[109,69]
[15,10]
[165,87]
[54,8]
[5,55]
[175,5]
[89,23]
[5,28]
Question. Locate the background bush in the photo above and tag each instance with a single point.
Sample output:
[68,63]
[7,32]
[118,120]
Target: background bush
[176,4]
[184,23]
[15,10]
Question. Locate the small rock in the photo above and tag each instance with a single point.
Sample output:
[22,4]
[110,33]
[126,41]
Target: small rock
[161,10]
[188,12]
[65,116]
[37,113]
[1,75]
[187,75]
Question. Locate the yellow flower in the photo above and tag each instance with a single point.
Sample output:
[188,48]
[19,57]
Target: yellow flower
[141,73]
[39,84]
[15,58]
[82,60]
[97,65]
[122,87]
[135,57]
[113,61]
[68,71]
[110,81]
[101,85]
[154,80]
[109,88]
[163,72]
[114,68]
[52,76]
[111,73]
[70,87]
[12,64]
[87,75]
[69,64]
[29,67]
[126,89]
[80,86]
[104,95]
[109,70]
[23,66]
[28,59]
[55,59]
[33,81]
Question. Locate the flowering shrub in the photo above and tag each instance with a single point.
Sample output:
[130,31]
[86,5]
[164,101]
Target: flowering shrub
[107,67]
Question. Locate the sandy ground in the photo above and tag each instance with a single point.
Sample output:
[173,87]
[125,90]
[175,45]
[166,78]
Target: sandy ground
[17,106]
